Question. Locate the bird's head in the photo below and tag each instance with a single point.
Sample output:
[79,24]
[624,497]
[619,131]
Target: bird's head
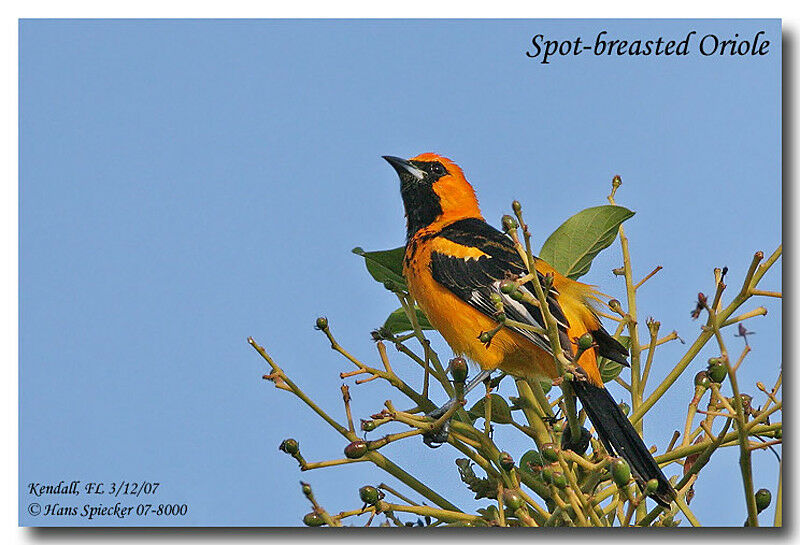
[434,190]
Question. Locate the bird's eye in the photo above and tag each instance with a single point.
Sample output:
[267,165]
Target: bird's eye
[438,169]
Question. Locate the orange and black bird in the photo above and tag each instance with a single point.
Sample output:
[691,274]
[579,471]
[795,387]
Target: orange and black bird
[454,264]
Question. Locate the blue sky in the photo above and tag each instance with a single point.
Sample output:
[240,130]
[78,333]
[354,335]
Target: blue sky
[185,184]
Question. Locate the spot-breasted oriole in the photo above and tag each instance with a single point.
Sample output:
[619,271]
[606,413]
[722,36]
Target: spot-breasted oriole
[454,263]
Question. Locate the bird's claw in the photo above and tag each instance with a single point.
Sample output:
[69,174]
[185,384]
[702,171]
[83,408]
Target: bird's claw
[436,438]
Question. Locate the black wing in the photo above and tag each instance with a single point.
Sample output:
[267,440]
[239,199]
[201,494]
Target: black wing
[474,280]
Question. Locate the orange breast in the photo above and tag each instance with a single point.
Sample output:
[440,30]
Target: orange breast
[461,325]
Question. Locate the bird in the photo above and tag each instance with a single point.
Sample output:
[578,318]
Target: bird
[454,264]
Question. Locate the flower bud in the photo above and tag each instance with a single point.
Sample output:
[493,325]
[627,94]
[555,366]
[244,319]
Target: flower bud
[369,495]
[322,323]
[624,407]
[459,369]
[701,379]
[763,499]
[507,286]
[512,499]
[368,425]
[516,207]
[717,372]
[621,472]
[509,223]
[506,461]
[289,446]
[313,519]
[559,480]
[585,341]
[356,449]
[549,452]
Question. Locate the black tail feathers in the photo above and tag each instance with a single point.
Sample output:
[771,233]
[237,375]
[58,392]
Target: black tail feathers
[621,439]
[609,347]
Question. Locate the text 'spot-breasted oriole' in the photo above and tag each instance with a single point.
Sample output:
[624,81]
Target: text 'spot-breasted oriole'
[454,263]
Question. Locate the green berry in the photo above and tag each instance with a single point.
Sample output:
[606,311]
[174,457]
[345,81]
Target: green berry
[322,323]
[306,488]
[624,407]
[508,286]
[369,495]
[289,446]
[509,223]
[585,341]
[356,449]
[549,452]
[763,499]
[717,372]
[368,425]
[513,500]
[313,519]
[701,379]
[559,480]
[516,207]
[458,369]
[506,461]
[651,487]
[621,472]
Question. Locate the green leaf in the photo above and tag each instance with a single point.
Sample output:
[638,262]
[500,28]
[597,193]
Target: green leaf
[385,265]
[531,462]
[500,411]
[609,369]
[398,322]
[573,246]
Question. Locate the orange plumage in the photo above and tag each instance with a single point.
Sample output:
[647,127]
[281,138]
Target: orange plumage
[459,324]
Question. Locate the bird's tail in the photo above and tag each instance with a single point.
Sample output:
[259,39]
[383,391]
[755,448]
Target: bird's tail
[621,439]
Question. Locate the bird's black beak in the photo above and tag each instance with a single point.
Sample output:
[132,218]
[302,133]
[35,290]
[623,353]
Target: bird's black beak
[404,167]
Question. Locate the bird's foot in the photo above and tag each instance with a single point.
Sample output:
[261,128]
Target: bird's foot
[437,437]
